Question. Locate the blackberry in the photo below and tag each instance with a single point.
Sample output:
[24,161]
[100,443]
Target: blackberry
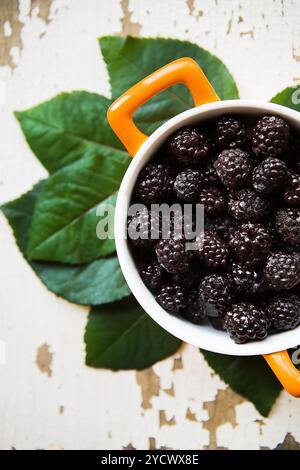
[287,223]
[244,280]
[269,175]
[250,243]
[234,168]
[189,146]
[245,322]
[223,226]
[291,195]
[155,184]
[194,311]
[144,228]
[212,249]
[172,254]
[152,275]
[210,176]
[246,205]
[214,201]
[284,312]
[187,185]
[270,136]
[172,298]
[282,271]
[214,294]
[230,133]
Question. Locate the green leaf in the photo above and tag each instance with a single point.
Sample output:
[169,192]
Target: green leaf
[130,59]
[289,97]
[68,127]
[249,376]
[65,217]
[91,284]
[123,336]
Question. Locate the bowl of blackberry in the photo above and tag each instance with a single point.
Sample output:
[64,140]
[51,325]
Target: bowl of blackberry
[237,291]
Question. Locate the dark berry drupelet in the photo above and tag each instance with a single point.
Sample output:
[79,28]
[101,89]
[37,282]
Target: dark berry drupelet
[284,311]
[245,280]
[155,184]
[144,228]
[194,311]
[152,275]
[215,294]
[287,223]
[189,146]
[230,133]
[212,249]
[213,200]
[172,298]
[269,175]
[246,322]
[248,206]
[282,271]
[217,322]
[234,168]
[210,176]
[188,184]
[172,254]
[250,243]
[291,194]
[270,137]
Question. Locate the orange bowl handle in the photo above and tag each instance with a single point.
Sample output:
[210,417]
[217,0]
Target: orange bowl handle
[285,371]
[120,113]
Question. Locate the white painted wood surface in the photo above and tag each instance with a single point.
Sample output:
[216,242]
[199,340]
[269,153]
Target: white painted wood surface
[61,403]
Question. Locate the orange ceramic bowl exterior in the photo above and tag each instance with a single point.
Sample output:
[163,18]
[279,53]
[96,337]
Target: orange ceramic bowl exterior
[120,117]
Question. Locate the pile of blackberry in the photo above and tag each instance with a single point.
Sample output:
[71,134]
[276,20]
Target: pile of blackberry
[244,274]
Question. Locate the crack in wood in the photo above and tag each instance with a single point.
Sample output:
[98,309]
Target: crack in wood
[247,33]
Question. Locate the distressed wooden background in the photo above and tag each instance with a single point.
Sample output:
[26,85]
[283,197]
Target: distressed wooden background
[48,398]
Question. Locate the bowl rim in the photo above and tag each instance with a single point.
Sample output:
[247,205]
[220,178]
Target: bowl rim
[202,336]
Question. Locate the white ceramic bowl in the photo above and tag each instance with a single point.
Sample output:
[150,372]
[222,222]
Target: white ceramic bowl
[205,337]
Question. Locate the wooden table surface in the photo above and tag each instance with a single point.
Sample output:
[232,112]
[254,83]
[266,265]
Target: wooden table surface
[48,398]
